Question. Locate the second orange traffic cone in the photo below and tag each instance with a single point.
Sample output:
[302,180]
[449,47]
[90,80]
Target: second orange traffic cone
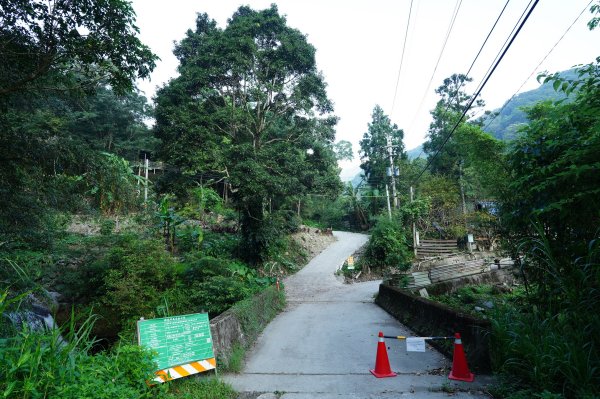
[460,369]
[382,363]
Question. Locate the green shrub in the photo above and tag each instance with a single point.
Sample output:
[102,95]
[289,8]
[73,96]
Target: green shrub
[197,268]
[189,238]
[203,200]
[388,245]
[107,226]
[551,344]
[220,245]
[111,183]
[218,294]
[120,374]
[57,364]
[132,279]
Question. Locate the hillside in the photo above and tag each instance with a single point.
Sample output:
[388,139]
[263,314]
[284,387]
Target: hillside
[505,125]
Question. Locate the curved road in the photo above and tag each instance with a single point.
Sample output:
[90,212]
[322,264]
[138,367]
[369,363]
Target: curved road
[324,344]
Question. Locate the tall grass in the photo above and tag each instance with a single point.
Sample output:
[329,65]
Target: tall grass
[57,363]
[553,344]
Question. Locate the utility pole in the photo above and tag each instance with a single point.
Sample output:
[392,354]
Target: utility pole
[387,194]
[414,226]
[146,164]
[392,170]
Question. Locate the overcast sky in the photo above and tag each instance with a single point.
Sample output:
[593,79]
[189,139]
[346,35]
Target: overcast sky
[359,46]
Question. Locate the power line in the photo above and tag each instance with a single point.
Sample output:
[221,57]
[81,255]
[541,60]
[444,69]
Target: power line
[455,14]
[538,65]
[474,60]
[402,57]
[507,39]
[481,86]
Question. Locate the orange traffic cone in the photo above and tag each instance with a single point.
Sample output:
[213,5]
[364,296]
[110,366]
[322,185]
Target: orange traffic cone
[460,369]
[382,363]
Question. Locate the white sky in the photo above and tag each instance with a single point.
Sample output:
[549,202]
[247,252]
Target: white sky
[359,45]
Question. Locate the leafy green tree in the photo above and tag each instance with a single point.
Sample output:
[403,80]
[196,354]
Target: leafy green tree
[49,52]
[113,123]
[380,137]
[553,166]
[69,44]
[453,100]
[250,106]
[343,150]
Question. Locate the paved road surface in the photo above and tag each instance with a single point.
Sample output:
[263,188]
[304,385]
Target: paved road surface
[325,342]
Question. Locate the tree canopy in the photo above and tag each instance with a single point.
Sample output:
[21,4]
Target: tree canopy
[70,44]
[251,107]
[375,147]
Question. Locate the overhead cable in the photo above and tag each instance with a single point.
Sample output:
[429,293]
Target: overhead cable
[537,66]
[481,86]
[455,14]
[402,57]
[474,60]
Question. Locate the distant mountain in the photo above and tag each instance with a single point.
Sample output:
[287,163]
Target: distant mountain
[416,152]
[357,179]
[505,125]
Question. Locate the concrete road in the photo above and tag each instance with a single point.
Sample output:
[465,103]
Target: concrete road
[324,344]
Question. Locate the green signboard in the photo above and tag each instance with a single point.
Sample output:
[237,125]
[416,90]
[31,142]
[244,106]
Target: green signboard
[177,340]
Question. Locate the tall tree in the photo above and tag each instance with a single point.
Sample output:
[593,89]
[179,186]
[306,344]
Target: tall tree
[382,136]
[452,102]
[554,166]
[343,150]
[105,121]
[68,44]
[250,106]
[49,52]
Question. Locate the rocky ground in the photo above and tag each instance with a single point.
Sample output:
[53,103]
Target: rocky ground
[313,240]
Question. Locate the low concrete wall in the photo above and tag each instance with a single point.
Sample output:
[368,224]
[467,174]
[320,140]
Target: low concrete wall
[241,324]
[428,318]
[226,332]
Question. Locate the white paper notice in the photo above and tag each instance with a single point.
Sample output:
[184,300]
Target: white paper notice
[415,344]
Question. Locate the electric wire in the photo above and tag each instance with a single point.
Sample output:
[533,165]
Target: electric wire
[537,66]
[474,60]
[507,39]
[402,57]
[481,86]
[455,14]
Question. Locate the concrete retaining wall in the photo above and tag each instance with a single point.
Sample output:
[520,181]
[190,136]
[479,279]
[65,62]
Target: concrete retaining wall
[428,318]
[226,332]
[241,324]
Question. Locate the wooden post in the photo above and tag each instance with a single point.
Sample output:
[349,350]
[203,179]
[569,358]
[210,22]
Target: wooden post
[146,162]
[387,195]
[414,226]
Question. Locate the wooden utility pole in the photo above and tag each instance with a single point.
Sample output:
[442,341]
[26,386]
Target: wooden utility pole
[462,188]
[414,225]
[390,152]
[387,195]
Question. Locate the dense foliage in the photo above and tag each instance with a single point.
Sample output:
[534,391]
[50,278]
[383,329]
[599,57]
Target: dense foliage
[69,45]
[250,107]
[382,141]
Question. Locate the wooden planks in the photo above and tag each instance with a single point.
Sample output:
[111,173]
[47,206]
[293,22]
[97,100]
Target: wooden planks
[429,248]
[448,272]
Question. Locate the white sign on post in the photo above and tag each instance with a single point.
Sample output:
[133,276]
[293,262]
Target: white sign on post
[415,344]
